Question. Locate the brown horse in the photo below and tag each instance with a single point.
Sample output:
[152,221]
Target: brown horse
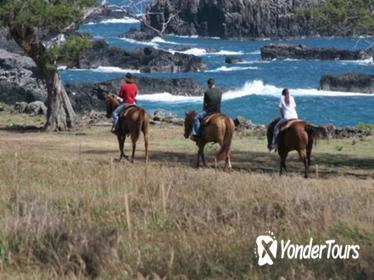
[295,135]
[133,120]
[216,128]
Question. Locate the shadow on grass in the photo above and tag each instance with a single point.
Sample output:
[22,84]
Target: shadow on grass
[329,164]
[23,128]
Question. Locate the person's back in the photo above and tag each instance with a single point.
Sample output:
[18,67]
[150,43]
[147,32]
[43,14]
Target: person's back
[128,93]
[212,101]
[288,110]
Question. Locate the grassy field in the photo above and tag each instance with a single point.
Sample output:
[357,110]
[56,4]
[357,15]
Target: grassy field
[69,211]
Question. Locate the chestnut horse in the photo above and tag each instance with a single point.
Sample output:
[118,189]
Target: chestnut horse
[216,128]
[133,120]
[295,135]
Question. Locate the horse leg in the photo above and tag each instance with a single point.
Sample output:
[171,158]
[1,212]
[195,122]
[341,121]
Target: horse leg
[200,153]
[121,142]
[133,140]
[203,155]
[304,160]
[146,146]
[228,165]
[283,157]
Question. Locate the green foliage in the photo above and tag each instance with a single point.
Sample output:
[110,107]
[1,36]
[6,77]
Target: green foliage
[342,17]
[365,126]
[73,47]
[50,15]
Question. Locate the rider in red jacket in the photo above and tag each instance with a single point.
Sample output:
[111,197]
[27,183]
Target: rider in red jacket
[127,95]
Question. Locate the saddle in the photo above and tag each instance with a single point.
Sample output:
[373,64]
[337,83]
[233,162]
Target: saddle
[124,112]
[289,124]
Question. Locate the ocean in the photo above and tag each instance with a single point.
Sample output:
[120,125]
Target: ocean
[253,87]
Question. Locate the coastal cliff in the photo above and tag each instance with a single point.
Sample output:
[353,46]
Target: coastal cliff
[234,18]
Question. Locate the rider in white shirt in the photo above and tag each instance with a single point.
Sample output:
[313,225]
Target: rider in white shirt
[287,108]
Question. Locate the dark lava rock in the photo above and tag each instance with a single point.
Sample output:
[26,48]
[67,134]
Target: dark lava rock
[351,82]
[282,51]
[233,60]
[146,60]
[86,97]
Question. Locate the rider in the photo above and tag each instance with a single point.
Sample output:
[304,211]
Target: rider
[126,96]
[287,108]
[212,104]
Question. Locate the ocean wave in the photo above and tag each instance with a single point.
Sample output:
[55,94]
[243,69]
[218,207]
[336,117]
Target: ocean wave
[255,52]
[203,52]
[256,87]
[230,69]
[163,41]
[169,98]
[105,69]
[132,41]
[125,20]
[365,62]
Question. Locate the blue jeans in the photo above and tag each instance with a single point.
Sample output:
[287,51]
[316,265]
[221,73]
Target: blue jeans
[274,143]
[116,113]
[196,123]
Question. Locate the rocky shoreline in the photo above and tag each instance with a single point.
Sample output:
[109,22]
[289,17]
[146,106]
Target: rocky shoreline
[145,60]
[89,96]
[284,51]
[350,82]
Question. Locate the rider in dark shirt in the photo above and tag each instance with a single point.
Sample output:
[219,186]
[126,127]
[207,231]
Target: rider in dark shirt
[212,104]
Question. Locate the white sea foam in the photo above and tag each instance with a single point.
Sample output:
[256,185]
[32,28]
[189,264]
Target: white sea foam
[125,20]
[203,52]
[230,69]
[259,88]
[62,67]
[168,98]
[366,62]
[107,69]
[163,41]
[255,52]
[256,87]
[132,41]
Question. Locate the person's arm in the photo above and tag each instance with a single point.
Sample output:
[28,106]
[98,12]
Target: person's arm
[281,108]
[205,101]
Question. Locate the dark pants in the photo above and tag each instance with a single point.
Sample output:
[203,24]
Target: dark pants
[274,143]
[117,112]
[196,123]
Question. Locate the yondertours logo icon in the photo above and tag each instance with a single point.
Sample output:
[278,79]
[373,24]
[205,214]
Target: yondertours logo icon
[268,249]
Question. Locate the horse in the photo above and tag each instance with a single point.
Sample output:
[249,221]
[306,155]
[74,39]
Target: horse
[216,128]
[133,120]
[295,135]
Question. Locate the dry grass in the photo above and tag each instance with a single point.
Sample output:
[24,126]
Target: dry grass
[68,211]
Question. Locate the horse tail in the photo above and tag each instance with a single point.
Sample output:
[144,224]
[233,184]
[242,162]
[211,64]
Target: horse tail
[227,139]
[314,133]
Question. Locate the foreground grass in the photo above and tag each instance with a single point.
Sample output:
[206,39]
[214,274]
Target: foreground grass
[69,211]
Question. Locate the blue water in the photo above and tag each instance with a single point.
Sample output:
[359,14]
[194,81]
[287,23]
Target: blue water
[255,85]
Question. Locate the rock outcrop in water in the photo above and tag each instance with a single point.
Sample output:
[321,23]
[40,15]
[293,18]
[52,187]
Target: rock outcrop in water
[146,60]
[90,96]
[351,82]
[20,79]
[282,51]
[234,18]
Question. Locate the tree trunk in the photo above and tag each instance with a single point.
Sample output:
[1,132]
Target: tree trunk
[60,114]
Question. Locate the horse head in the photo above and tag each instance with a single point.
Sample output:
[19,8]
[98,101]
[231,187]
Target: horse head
[111,103]
[188,123]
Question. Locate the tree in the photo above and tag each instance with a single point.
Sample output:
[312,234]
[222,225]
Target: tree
[31,23]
